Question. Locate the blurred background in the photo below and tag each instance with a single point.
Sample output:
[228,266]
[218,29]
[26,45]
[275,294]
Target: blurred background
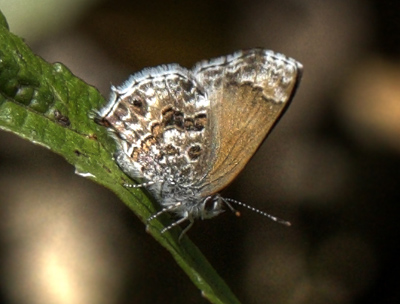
[331,166]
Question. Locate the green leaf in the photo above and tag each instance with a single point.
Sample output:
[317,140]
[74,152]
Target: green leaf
[47,105]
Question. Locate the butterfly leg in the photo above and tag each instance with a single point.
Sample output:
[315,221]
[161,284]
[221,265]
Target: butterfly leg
[163,210]
[174,224]
[186,229]
[139,185]
[177,223]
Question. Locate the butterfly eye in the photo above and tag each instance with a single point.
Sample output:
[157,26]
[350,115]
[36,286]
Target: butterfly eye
[209,204]
[212,206]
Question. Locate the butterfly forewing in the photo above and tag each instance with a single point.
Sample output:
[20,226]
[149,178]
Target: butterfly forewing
[248,92]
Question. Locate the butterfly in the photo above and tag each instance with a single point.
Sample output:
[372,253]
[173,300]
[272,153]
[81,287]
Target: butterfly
[186,134]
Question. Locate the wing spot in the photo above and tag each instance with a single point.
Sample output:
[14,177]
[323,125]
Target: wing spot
[135,154]
[200,121]
[171,150]
[156,129]
[147,142]
[136,104]
[194,152]
[189,124]
[172,118]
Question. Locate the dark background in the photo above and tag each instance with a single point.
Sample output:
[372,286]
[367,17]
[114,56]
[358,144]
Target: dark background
[331,166]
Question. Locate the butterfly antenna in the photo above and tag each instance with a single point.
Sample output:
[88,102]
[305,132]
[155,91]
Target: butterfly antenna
[274,218]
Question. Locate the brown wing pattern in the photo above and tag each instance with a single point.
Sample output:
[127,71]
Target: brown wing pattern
[248,92]
[160,119]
